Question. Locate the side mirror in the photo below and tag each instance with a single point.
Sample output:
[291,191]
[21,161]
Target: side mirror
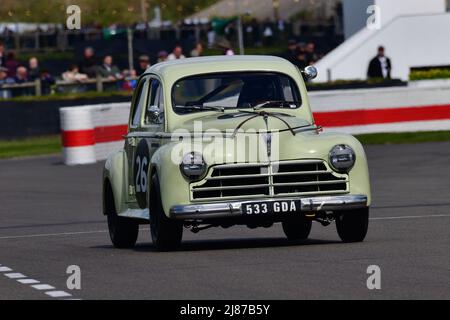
[154,115]
[310,72]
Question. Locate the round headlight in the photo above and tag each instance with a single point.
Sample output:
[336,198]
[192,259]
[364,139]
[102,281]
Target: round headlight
[193,166]
[342,158]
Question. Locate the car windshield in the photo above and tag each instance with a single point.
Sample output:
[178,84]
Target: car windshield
[249,90]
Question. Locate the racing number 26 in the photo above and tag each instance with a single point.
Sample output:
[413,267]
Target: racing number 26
[141,176]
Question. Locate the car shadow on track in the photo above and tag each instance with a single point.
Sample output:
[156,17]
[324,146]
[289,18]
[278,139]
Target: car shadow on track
[231,244]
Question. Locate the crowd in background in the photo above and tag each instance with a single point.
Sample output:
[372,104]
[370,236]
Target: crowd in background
[89,67]
[92,67]
[14,72]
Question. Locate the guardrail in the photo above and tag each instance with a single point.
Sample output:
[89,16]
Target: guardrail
[37,85]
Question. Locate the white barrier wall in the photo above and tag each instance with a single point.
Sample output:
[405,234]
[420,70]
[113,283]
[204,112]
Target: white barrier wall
[391,9]
[91,133]
[398,109]
[410,41]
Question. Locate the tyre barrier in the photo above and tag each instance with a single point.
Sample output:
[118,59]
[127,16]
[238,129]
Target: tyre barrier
[91,133]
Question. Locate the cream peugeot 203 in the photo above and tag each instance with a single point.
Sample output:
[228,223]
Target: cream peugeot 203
[224,141]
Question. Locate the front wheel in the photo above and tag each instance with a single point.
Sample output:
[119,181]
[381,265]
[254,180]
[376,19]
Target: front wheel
[352,225]
[166,233]
[122,231]
[297,228]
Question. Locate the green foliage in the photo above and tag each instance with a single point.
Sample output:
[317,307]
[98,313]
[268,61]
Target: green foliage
[104,12]
[437,73]
[347,82]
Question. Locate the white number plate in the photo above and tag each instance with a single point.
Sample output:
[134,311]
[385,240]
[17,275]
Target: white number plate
[272,207]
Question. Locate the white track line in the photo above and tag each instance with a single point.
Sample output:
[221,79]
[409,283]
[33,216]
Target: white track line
[5,269]
[58,234]
[105,231]
[35,284]
[15,275]
[413,217]
[43,287]
[27,281]
[53,234]
[58,294]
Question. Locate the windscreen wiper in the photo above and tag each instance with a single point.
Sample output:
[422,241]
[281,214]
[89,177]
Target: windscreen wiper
[200,107]
[279,104]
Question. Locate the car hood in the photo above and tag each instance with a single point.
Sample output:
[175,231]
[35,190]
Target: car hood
[248,122]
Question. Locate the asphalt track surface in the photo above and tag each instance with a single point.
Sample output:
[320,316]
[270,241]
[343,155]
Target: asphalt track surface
[50,218]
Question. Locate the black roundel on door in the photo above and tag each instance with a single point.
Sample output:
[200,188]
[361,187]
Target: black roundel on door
[141,163]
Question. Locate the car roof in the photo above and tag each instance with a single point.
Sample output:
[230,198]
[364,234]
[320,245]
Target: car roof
[176,69]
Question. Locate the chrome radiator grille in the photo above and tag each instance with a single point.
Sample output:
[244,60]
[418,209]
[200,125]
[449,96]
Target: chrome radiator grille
[287,178]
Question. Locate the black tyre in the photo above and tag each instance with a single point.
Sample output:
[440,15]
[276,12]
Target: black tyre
[297,228]
[122,231]
[166,233]
[352,225]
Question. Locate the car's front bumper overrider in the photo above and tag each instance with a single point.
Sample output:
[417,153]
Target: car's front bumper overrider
[233,208]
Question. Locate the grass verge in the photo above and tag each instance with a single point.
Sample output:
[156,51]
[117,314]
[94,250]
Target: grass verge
[52,144]
[30,147]
[404,137]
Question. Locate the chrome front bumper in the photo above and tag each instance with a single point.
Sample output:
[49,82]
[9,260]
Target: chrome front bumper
[234,208]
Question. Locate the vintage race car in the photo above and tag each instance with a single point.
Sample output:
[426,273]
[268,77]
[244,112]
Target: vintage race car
[223,141]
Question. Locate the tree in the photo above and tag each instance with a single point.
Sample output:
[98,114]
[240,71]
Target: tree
[104,12]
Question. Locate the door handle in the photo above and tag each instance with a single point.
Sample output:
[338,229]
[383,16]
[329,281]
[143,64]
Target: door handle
[132,141]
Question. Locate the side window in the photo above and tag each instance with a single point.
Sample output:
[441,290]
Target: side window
[154,113]
[139,102]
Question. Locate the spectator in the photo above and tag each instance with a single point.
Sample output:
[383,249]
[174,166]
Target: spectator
[130,80]
[211,35]
[268,33]
[74,75]
[380,66]
[144,64]
[33,67]
[4,79]
[2,54]
[198,50]
[311,55]
[21,75]
[88,65]
[301,60]
[256,28]
[162,56]
[176,54]
[11,64]
[47,81]
[291,52]
[226,48]
[108,70]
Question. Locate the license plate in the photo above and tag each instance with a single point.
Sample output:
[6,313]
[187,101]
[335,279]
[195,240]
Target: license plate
[271,207]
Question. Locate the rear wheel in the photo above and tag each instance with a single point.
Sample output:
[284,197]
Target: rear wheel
[122,231]
[166,233]
[297,228]
[352,225]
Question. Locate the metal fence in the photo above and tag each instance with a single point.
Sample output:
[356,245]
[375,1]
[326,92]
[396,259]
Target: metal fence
[63,40]
[36,88]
